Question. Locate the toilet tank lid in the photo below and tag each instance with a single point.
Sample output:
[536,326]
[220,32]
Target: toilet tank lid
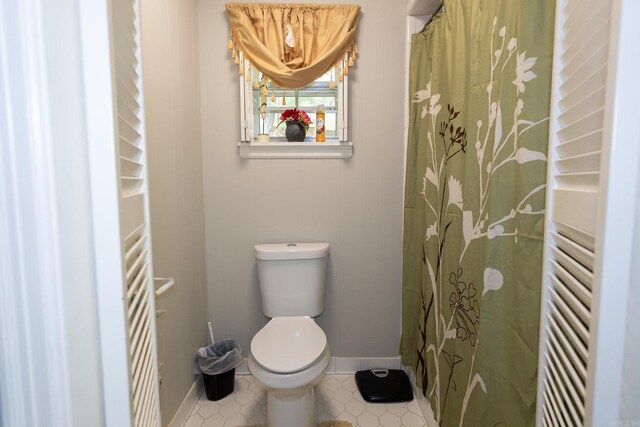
[283,251]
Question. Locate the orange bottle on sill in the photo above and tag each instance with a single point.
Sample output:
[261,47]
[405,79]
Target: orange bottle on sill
[320,134]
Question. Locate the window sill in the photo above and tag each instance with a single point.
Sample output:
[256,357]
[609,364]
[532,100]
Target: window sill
[295,150]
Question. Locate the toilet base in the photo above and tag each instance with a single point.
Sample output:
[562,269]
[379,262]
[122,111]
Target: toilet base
[295,408]
[291,397]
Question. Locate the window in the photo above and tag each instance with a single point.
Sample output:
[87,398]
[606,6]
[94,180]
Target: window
[308,98]
[334,42]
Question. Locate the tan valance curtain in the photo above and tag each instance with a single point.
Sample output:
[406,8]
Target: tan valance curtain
[293,44]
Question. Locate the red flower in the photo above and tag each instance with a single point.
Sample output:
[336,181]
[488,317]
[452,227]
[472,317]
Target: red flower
[295,115]
[304,118]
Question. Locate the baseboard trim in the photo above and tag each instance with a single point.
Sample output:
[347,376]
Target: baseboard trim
[185,408]
[347,365]
[351,365]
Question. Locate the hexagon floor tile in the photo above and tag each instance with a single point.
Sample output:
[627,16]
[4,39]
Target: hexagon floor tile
[336,398]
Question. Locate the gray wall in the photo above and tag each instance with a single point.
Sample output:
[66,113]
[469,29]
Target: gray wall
[355,205]
[172,97]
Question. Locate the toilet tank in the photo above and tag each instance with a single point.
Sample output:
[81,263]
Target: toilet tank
[292,278]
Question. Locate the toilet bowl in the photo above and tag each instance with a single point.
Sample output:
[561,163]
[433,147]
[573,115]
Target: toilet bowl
[289,356]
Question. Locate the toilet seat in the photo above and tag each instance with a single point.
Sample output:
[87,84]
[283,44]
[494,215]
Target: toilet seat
[288,344]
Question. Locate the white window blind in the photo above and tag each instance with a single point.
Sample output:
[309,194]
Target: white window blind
[581,277]
[134,221]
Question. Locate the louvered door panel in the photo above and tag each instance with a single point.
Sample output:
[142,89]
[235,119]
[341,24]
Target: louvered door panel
[576,142]
[133,215]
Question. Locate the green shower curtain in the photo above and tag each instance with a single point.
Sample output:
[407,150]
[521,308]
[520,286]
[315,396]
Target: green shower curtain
[480,78]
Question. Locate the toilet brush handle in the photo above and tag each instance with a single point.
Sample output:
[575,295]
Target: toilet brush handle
[210,333]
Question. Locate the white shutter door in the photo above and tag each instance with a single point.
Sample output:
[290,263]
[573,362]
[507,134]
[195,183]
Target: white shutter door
[582,35]
[582,201]
[134,220]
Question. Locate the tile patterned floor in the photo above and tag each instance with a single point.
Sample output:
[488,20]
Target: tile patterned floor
[337,398]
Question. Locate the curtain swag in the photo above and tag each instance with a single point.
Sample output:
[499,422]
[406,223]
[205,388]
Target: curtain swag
[293,44]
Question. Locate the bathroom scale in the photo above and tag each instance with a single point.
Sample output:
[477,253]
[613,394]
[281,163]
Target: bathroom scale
[384,386]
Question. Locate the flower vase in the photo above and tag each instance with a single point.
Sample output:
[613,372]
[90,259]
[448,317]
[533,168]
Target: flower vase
[295,132]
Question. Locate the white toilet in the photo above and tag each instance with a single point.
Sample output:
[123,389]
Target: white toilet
[290,354]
